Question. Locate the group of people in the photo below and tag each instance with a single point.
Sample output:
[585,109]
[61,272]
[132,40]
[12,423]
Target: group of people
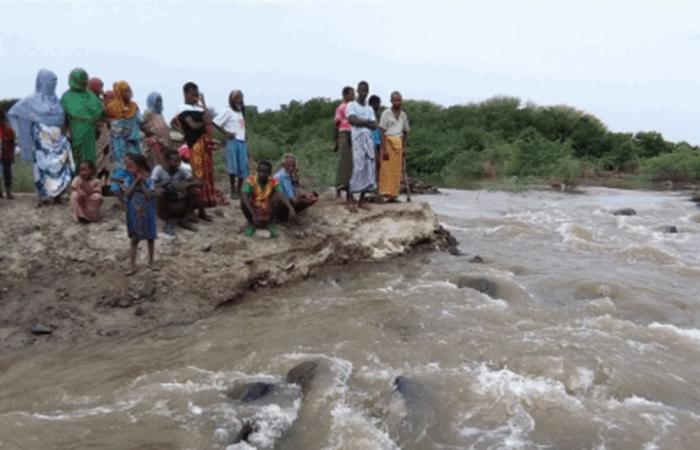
[119,151]
[371,152]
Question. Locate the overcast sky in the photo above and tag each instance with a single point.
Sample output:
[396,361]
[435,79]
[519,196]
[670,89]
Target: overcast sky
[634,65]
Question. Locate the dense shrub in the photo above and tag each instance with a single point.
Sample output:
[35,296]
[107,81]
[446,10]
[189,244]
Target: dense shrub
[458,144]
[683,164]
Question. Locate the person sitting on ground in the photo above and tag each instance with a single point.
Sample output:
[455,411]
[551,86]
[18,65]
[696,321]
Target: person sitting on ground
[286,176]
[257,194]
[86,195]
[175,199]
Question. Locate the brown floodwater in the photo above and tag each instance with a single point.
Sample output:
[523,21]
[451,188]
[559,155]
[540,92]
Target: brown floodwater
[586,336]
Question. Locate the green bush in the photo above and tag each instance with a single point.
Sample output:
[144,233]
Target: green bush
[679,165]
[465,168]
[537,156]
[459,144]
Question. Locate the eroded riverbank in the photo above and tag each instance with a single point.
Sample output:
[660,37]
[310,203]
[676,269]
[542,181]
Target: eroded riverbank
[70,278]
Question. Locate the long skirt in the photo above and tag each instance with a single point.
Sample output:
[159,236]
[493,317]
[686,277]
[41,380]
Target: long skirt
[390,173]
[236,158]
[363,178]
[201,158]
[83,137]
[53,161]
[345,161]
[102,150]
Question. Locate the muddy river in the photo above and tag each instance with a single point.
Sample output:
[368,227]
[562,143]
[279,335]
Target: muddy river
[580,330]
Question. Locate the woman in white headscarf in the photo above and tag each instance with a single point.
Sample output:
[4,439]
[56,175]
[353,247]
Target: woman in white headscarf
[38,120]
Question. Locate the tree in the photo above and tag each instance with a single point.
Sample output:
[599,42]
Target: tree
[652,144]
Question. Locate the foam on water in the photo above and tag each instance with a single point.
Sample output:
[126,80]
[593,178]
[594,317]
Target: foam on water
[692,334]
[352,429]
[510,387]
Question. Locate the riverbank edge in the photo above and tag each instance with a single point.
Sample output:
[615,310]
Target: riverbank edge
[72,282]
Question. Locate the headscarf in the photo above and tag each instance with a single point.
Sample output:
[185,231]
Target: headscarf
[78,102]
[96,86]
[117,108]
[108,97]
[41,107]
[151,102]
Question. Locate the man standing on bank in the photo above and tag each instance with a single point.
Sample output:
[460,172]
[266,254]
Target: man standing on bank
[362,120]
[394,131]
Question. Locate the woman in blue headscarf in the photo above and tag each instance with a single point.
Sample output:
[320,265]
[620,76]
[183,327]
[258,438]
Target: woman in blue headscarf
[38,120]
[155,128]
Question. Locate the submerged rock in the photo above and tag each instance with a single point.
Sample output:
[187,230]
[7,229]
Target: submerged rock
[477,260]
[244,433]
[625,212]
[479,284]
[411,412]
[420,187]
[250,392]
[670,229]
[39,329]
[302,374]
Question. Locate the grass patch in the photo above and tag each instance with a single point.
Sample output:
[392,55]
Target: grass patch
[22,178]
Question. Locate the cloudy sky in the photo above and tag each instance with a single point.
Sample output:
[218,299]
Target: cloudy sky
[635,65]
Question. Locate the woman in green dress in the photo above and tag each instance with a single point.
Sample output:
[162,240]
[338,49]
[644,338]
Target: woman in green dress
[83,111]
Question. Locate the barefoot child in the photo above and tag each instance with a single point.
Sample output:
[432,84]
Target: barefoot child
[231,122]
[137,191]
[86,198]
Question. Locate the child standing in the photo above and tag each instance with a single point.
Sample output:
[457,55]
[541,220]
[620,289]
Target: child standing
[376,103]
[343,143]
[7,153]
[86,198]
[231,122]
[138,193]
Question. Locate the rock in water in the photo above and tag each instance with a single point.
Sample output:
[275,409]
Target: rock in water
[410,412]
[302,375]
[246,430]
[625,212]
[250,392]
[39,329]
[477,260]
[670,229]
[454,251]
[479,284]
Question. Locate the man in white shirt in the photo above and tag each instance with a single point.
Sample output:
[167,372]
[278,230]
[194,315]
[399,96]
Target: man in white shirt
[394,131]
[362,120]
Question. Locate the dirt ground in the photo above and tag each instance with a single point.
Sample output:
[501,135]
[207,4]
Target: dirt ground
[70,278]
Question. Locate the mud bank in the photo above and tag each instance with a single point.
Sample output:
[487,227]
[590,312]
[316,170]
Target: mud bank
[70,278]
